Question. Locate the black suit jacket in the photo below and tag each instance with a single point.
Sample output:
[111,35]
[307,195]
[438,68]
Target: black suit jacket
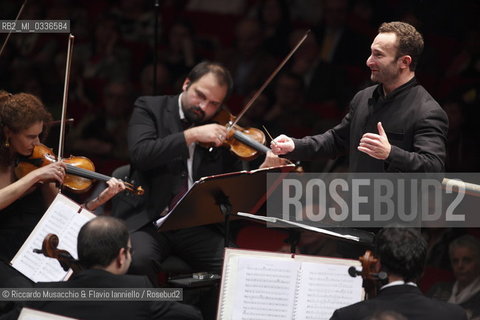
[102,310]
[158,155]
[415,124]
[404,299]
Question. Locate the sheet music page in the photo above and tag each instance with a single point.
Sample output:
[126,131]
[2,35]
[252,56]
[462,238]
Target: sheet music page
[62,218]
[31,314]
[325,287]
[264,288]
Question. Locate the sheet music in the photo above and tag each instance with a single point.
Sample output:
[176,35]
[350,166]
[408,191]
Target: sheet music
[62,218]
[31,314]
[267,289]
[260,285]
[324,288]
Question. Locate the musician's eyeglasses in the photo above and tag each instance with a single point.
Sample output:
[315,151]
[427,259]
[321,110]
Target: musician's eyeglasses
[129,249]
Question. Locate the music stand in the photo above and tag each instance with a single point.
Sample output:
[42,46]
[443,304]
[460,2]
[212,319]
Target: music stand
[212,199]
[347,234]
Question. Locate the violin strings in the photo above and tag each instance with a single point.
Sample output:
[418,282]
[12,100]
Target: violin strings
[91,174]
[86,173]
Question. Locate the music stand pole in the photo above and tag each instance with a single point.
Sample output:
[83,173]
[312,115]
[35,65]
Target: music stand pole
[225,206]
[293,239]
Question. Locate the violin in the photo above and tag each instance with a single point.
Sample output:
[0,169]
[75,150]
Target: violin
[246,143]
[80,170]
[370,273]
[50,249]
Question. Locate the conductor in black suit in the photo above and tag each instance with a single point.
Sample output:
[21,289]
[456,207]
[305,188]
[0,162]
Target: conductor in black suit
[392,126]
[402,253]
[105,251]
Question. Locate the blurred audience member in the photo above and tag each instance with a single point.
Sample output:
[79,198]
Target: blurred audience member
[465,291]
[288,112]
[462,141]
[248,62]
[104,134]
[163,80]
[274,17]
[325,83]
[338,43]
[108,60]
[179,54]
[136,21]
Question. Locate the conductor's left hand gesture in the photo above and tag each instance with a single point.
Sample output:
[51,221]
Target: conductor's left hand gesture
[375,145]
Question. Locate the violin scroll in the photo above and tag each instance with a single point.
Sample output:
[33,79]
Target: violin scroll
[370,273]
[50,249]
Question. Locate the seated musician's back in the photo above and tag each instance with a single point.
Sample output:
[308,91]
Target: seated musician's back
[402,253]
[104,250]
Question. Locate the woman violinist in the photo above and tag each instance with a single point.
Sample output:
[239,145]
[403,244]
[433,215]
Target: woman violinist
[23,200]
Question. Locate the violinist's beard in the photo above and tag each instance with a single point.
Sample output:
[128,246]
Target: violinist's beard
[194,114]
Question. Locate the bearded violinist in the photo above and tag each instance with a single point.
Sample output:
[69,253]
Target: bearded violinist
[163,137]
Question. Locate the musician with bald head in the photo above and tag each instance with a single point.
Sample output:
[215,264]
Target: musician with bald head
[105,253]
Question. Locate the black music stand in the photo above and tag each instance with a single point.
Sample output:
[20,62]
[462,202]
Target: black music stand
[213,199]
[345,234]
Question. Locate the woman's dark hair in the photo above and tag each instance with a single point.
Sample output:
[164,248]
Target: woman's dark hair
[18,112]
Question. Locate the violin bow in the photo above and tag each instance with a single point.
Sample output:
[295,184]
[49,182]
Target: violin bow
[65,96]
[68,63]
[10,32]
[270,78]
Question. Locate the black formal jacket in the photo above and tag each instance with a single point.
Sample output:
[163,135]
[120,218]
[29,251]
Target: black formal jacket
[415,124]
[404,299]
[101,310]
[158,155]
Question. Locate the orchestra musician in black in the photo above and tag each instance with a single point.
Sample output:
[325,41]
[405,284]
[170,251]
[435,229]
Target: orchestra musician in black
[402,254]
[105,253]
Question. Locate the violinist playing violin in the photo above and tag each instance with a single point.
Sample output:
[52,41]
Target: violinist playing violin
[402,253]
[163,137]
[23,200]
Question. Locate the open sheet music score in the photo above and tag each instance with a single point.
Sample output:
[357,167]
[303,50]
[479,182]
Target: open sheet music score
[267,285]
[64,218]
[32,314]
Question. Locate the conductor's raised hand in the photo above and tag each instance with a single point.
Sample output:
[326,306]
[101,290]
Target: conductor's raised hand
[376,145]
[282,145]
[210,133]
